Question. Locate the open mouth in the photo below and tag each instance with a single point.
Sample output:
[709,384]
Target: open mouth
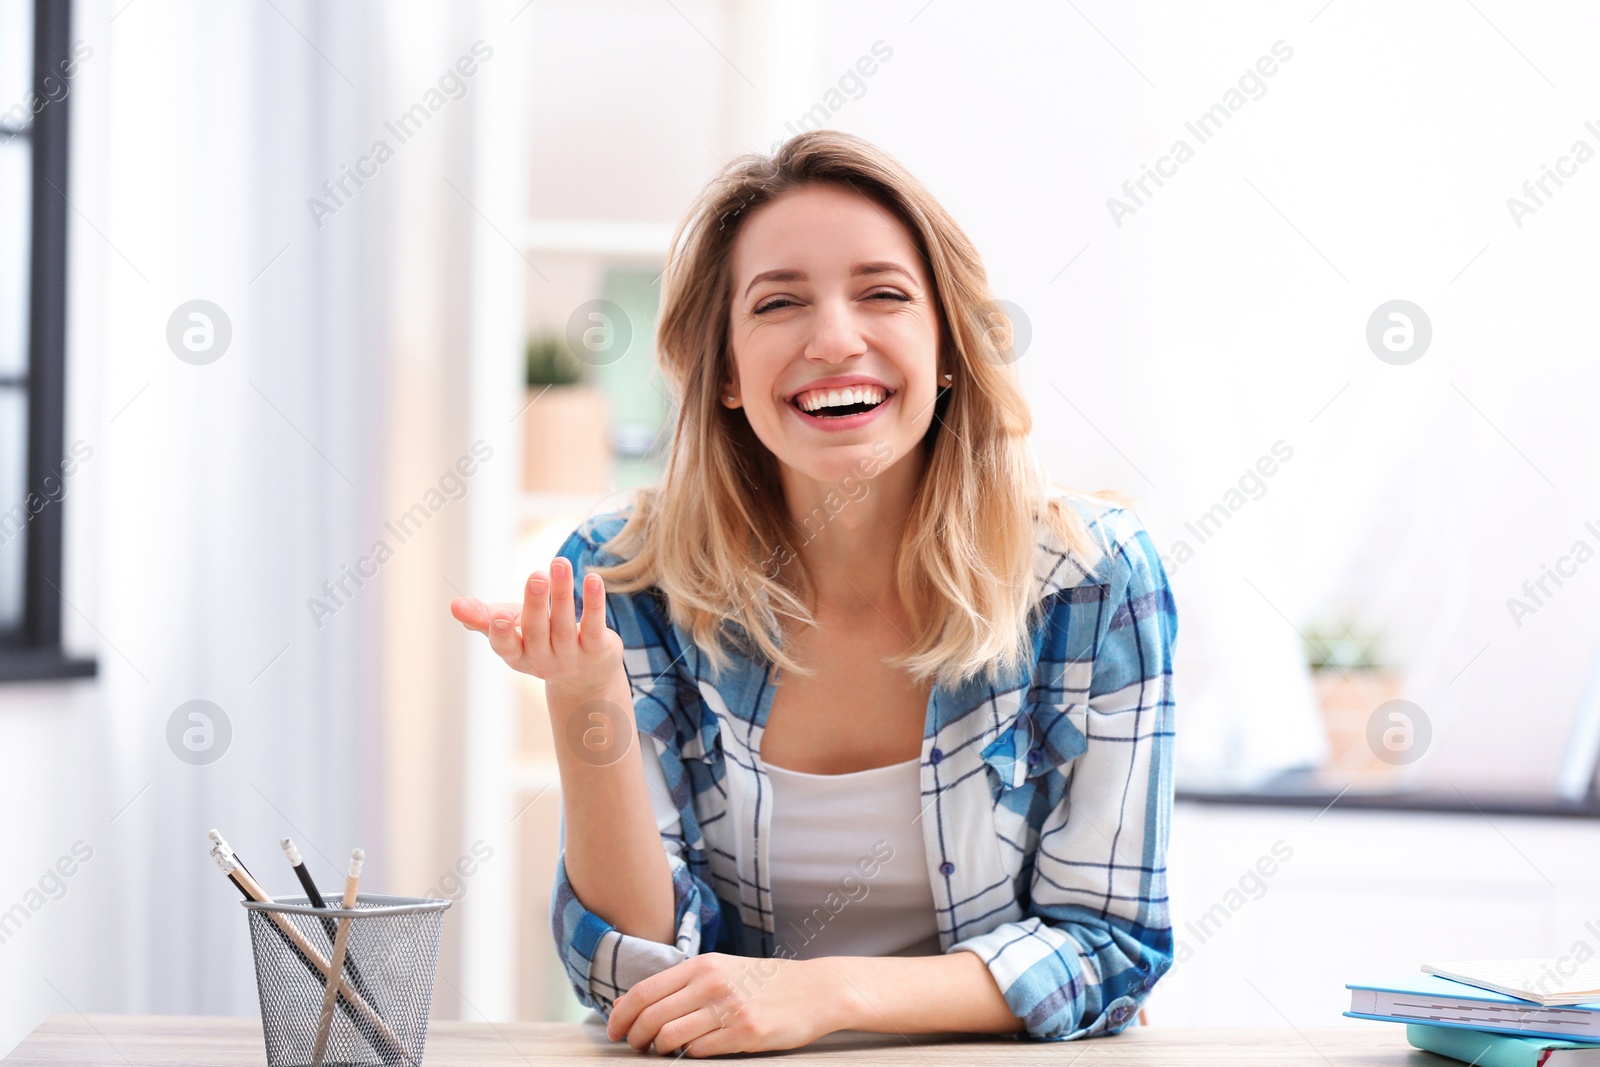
[842,409]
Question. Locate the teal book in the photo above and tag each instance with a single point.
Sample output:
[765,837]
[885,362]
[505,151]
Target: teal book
[1485,1049]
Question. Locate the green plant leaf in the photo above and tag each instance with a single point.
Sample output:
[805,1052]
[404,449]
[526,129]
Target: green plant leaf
[550,362]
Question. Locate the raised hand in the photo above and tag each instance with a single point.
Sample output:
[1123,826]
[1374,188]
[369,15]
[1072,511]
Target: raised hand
[543,637]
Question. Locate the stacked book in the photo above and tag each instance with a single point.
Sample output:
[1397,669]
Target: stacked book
[1495,1013]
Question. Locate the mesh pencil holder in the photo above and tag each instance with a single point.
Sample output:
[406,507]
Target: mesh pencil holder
[380,1016]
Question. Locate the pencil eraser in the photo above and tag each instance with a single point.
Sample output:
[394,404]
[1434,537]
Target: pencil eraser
[223,860]
[290,851]
[357,858]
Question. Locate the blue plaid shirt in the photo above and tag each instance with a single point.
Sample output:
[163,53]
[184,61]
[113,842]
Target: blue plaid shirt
[1047,796]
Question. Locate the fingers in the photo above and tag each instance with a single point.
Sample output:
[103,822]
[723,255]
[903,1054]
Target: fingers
[498,622]
[474,614]
[593,624]
[536,615]
[626,1010]
[563,616]
[469,612]
[681,1031]
[545,624]
[503,637]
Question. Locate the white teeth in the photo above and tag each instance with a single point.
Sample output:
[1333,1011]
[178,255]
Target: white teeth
[857,394]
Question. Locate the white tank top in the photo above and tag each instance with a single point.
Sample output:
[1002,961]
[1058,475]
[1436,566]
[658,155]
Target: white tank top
[849,872]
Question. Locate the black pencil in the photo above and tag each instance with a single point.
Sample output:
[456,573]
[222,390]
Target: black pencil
[313,894]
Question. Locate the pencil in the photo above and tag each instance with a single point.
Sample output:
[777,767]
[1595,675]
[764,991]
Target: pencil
[233,876]
[314,895]
[227,849]
[232,867]
[340,942]
[310,956]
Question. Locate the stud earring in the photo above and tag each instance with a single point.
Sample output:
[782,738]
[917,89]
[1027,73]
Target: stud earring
[949,377]
[731,400]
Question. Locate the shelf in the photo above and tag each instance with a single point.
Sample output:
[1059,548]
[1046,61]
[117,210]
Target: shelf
[1451,803]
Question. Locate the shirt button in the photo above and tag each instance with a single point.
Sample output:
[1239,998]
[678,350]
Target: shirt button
[947,868]
[935,756]
[1034,755]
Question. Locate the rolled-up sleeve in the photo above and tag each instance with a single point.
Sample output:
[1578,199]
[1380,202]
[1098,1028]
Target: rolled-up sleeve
[601,962]
[1097,932]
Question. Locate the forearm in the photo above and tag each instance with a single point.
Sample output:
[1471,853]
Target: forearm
[614,858]
[949,993]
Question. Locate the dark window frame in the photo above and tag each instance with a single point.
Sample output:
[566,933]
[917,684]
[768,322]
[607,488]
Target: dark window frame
[33,651]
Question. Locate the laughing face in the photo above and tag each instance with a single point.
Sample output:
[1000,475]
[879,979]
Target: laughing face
[835,334]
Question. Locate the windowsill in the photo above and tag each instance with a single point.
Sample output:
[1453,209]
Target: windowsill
[42,665]
[1452,803]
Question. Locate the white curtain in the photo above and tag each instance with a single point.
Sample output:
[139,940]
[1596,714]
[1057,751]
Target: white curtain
[233,491]
[219,498]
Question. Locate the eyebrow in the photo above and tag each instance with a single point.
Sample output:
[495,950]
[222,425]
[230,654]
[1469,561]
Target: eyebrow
[789,274]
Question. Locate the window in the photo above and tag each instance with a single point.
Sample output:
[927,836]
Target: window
[36,64]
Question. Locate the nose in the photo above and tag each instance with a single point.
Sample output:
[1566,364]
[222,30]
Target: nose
[835,335]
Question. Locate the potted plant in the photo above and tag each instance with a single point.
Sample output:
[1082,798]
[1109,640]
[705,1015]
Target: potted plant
[565,423]
[1352,679]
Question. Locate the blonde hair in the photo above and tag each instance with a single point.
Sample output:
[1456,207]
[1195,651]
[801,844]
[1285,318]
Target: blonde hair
[714,527]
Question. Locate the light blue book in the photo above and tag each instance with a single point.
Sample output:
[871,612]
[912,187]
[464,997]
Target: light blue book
[1435,1001]
[1501,1050]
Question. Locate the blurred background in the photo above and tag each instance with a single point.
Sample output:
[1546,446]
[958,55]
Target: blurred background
[314,316]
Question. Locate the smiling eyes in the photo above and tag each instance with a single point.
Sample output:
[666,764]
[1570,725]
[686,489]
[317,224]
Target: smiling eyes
[782,301]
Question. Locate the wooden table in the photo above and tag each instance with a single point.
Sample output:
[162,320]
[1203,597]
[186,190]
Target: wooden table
[229,1041]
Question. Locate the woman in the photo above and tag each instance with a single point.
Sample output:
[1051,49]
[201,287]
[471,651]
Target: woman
[895,695]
